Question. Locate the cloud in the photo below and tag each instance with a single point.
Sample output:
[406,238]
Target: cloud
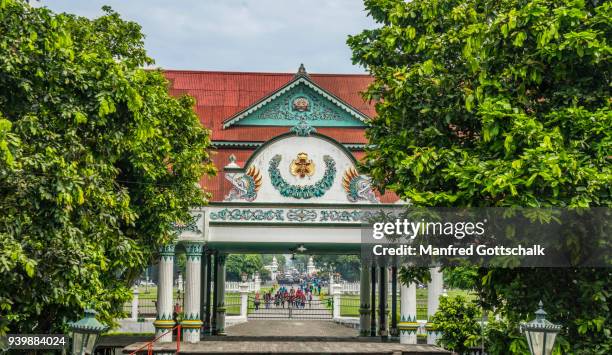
[240,35]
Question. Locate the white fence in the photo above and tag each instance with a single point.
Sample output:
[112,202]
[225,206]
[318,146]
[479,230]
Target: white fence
[354,287]
[234,286]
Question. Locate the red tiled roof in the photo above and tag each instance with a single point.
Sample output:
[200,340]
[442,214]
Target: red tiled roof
[220,95]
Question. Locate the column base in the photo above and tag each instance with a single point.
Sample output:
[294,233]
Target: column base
[164,326]
[364,321]
[191,330]
[220,325]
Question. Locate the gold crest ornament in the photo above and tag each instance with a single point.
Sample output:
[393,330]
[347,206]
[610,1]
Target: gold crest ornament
[302,166]
[301,104]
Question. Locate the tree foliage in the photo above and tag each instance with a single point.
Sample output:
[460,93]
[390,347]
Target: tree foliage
[280,260]
[348,266]
[499,103]
[456,321]
[236,264]
[96,161]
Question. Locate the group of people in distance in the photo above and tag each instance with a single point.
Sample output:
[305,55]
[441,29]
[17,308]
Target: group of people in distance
[294,298]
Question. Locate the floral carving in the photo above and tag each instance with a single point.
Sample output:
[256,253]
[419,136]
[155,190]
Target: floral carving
[317,189]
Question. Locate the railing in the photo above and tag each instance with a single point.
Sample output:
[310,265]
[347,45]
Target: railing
[149,345]
[144,303]
[350,287]
[145,306]
[355,287]
[315,309]
[234,286]
[232,304]
[350,304]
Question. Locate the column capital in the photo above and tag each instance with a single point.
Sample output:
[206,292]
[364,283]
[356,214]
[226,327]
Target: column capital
[193,249]
[167,251]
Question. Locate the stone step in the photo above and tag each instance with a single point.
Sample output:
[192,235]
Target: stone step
[300,346]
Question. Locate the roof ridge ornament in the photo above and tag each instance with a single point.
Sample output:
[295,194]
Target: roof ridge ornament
[301,72]
[302,128]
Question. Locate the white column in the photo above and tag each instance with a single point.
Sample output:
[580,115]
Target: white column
[164,321]
[364,301]
[192,322]
[434,291]
[408,323]
[244,298]
[135,303]
[337,294]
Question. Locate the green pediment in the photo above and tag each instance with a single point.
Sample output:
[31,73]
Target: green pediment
[301,99]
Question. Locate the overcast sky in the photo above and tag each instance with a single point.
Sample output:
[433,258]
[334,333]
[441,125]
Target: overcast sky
[240,35]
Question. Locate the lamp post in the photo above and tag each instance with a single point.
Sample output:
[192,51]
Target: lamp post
[540,333]
[85,333]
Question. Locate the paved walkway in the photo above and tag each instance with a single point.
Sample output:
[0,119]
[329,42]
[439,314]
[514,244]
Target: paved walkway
[315,328]
[294,347]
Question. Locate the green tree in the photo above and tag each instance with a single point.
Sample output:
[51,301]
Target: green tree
[462,277]
[280,260]
[96,162]
[236,264]
[499,103]
[456,320]
[349,266]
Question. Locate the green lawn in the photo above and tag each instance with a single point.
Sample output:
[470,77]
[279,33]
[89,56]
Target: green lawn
[349,304]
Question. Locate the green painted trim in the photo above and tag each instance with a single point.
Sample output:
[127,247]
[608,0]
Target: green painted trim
[285,88]
[286,224]
[355,146]
[167,251]
[302,204]
[193,250]
[286,247]
[255,145]
[236,144]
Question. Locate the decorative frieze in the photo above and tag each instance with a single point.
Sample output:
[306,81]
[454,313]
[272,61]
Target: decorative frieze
[301,215]
[289,215]
[247,214]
